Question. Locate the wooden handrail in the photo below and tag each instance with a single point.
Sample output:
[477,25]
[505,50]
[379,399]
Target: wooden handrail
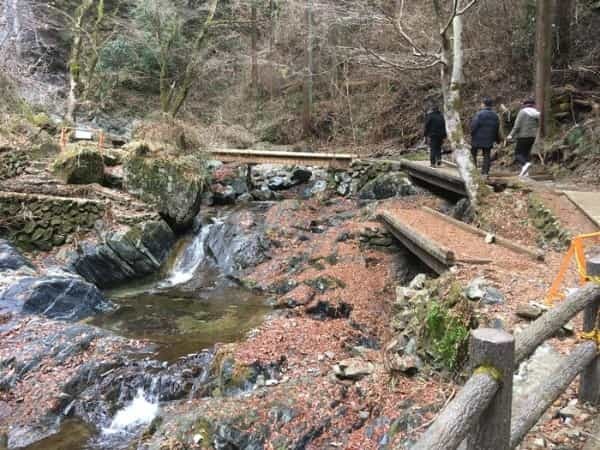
[548,324]
[481,414]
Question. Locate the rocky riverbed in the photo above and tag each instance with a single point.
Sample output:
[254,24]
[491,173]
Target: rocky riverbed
[270,309]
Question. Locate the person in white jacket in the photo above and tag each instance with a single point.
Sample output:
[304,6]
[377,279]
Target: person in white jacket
[524,132]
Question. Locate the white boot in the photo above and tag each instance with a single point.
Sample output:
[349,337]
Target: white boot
[525,169]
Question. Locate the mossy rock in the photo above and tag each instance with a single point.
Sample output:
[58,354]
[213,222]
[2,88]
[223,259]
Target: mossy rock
[79,164]
[172,184]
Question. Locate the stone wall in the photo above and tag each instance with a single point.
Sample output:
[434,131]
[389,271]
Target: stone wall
[12,163]
[35,221]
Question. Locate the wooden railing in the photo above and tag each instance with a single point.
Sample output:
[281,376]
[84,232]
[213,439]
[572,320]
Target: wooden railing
[484,415]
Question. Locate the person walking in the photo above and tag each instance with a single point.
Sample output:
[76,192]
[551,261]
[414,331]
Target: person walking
[525,131]
[435,133]
[485,132]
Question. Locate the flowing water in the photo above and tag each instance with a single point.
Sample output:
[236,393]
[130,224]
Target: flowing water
[188,308]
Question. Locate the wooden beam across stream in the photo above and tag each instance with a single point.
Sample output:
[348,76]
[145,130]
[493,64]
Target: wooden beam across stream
[334,160]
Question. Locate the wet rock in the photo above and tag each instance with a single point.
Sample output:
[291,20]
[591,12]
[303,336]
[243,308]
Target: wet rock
[227,437]
[11,258]
[529,311]
[65,297]
[387,185]
[173,185]
[79,164]
[238,242]
[124,256]
[353,369]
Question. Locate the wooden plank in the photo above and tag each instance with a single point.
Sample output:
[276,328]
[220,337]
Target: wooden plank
[434,255]
[535,254]
[339,160]
[444,178]
[587,202]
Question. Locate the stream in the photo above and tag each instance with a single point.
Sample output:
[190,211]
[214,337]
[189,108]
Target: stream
[189,307]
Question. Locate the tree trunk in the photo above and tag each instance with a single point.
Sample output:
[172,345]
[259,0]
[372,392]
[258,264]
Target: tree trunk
[75,61]
[564,17]
[308,79]
[254,53]
[543,63]
[452,81]
[180,95]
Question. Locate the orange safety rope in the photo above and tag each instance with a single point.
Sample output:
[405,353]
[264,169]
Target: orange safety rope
[577,249]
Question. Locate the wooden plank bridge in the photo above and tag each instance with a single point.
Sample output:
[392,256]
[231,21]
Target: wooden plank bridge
[440,241]
[445,177]
[333,160]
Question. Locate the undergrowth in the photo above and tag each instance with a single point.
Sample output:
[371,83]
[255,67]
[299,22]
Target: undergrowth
[447,332]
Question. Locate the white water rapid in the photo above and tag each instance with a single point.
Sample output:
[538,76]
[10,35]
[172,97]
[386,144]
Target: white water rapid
[140,411]
[188,261]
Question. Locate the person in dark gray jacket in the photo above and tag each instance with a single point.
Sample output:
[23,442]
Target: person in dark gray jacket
[485,132]
[525,131]
[435,133]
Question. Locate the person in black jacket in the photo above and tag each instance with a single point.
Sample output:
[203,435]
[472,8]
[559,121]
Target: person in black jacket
[485,132]
[435,133]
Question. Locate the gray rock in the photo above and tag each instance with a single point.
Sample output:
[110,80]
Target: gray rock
[479,289]
[11,258]
[66,297]
[476,289]
[492,296]
[238,243]
[529,311]
[387,185]
[353,369]
[418,282]
[124,256]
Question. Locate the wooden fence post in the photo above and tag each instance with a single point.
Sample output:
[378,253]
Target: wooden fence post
[494,351]
[589,382]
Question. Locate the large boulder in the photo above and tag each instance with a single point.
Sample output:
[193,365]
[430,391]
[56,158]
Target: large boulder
[172,184]
[60,296]
[238,242]
[387,185]
[11,258]
[79,164]
[124,255]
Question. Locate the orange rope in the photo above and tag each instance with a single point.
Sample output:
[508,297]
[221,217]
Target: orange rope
[577,249]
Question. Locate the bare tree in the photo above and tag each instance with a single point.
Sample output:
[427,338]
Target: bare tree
[446,53]
[543,62]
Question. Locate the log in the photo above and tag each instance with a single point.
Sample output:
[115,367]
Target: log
[589,382]
[548,324]
[528,409]
[455,421]
[434,255]
[479,232]
[495,348]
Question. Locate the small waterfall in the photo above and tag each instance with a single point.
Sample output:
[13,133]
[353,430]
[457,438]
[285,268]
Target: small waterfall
[141,411]
[188,261]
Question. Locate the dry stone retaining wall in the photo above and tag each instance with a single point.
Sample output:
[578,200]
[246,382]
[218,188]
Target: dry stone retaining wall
[35,221]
